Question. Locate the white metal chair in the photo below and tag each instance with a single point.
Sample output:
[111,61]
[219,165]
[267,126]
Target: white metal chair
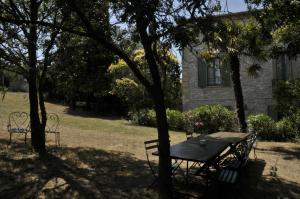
[18,123]
[52,127]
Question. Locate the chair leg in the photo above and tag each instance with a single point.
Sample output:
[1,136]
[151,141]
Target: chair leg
[58,140]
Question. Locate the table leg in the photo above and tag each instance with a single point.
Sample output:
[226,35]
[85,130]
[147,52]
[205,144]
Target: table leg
[187,173]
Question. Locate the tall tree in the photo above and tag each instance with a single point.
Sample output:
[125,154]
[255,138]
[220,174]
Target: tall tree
[229,40]
[154,22]
[26,49]
[80,70]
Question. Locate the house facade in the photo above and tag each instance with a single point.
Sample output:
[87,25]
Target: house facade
[206,83]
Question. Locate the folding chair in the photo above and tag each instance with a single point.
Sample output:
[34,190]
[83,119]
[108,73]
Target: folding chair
[18,123]
[52,127]
[151,146]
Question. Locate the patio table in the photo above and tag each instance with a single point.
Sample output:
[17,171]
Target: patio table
[205,148]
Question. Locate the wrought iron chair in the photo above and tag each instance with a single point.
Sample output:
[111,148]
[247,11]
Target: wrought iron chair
[18,123]
[151,146]
[52,127]
[234,161]
[250,144]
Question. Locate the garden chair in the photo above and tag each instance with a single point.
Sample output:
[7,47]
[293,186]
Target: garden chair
[52,127]
[233,161]
[151,146]
[250,144]
[18,123]
[189,135]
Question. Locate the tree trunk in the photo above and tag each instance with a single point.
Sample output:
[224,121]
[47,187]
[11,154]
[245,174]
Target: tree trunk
[38,139]
[42,105]
[165,180]
[238,92]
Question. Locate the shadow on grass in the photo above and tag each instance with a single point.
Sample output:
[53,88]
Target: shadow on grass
[287,153]
[93,173]
[90,114]
[252,184]
[72,173]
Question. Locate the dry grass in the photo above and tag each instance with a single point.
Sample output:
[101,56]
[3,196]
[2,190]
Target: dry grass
[105,158]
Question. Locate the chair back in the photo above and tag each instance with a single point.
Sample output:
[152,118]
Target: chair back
[150,147]
[18,121]
[52,125]
[250,142]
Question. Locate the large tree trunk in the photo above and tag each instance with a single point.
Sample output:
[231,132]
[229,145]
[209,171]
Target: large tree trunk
[37,136]
[238,92]
[165,180]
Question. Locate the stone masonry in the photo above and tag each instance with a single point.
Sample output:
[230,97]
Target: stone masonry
[257,91]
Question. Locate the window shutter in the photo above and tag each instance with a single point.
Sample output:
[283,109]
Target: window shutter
[202,73]
[225,74]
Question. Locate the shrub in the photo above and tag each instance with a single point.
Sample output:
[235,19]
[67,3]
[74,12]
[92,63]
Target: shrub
[209,119]
[263,125]
[139,117]
[287,94]
[285,130]
[175,119]
[267,129]
[151,116]
[205,119]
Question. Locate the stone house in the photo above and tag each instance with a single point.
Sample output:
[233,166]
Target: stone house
[209,83]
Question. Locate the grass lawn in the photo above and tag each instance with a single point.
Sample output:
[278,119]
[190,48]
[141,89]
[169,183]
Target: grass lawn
[105,158]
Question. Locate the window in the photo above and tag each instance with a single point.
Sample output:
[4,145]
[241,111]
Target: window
[283,68]
[213,73]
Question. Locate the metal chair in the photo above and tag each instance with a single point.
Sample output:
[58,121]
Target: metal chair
[151,146]
[52,127]
[18,122]
[189,135]
[250,144]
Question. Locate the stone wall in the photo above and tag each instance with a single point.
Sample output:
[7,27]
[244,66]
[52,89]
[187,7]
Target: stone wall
[257,91]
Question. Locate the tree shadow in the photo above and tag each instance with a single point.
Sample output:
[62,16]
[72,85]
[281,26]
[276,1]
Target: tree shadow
[290,153]
[90,114]
[72,173]
[253,184]
[92,173]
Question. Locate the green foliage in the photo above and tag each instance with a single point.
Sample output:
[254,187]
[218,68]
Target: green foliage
[137,97]
[205,119]
[280,21]
[129,91]
[263,125]
[143,117]
[286,129]
[287,95]
[209,119]
[175,119]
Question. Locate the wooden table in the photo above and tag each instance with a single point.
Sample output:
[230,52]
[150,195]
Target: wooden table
[205,148]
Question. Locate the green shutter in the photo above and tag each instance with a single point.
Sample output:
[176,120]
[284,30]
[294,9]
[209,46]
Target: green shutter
[225,74]
[202,73]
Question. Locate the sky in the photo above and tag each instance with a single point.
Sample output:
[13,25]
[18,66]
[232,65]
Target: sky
[236,5]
